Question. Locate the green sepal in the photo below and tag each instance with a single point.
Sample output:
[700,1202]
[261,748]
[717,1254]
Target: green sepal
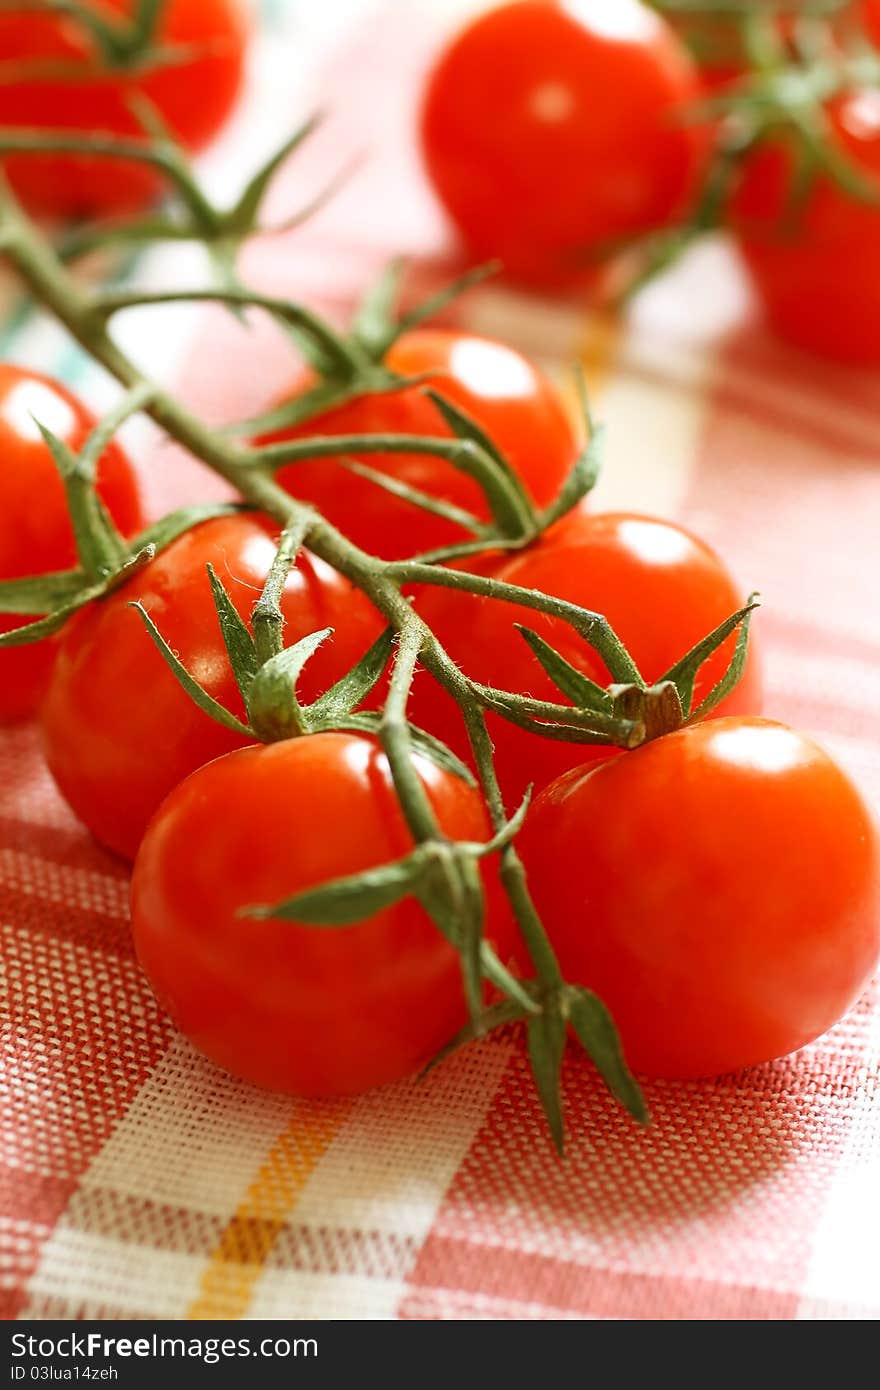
[423,500]
[563,723]
[508,833]
[373,325]
[451,892]
[683,674]
[509,503]
[465,427]
[327,395]
[274,710]
[436,303]
[580,481]
[41,593]
[584,693]
[347,900]
[545,1035]
[200,696]
[237,639]
[345,696]
[595,1030]
[46,627]
[734,671]
[498,1015]
[164,532]
[99,545]
[243,217]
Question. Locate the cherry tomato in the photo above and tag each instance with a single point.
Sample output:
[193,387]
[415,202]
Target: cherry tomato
[36,536]
[550,130]
[311,1010]
[817,267]
[119,731]
[56,79]
[500,389]
[718,888]
[870,16]
[661,589]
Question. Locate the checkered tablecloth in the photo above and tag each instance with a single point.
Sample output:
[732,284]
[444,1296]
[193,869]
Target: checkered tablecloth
[136,1180]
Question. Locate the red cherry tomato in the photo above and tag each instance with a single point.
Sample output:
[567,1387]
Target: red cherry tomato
[661,589]
[55,79]
[551,130]
[718,888]
[119,731]
[870,15]
[817,269]
[36,536]
[499,388]
[311,1010]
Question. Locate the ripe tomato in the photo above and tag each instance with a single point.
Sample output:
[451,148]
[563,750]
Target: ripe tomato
[869,11]
[499,388]
[662,590]
[718,888]
[36,536]
[56,80]
[118,730]
[817,271]
[552,129]
[311,1010]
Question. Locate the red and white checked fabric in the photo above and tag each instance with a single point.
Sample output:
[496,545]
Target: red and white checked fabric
[136,1180]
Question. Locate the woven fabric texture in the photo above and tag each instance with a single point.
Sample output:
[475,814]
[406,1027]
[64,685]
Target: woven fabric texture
[136,1180]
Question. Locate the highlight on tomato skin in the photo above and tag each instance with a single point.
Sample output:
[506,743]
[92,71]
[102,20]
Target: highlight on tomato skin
[719,888]
[193,95]
[118,731]
[314,1011]
[497,386]
[550,131]
[36,536]
[661,588]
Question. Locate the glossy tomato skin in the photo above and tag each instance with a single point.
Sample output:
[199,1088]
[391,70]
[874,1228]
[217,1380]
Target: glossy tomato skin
[718,888]
[118,730]
[551,130]
[194,96]
[309,1010]
[501,389]
[36,536]
[661,588]
[818,275]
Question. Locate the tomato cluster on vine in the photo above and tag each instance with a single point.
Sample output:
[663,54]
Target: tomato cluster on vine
[309,717]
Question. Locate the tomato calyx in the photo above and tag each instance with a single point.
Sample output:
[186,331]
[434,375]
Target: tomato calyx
[443,876]
[266,672]
[106,559]
[650,711]
[118,43]
[794,63]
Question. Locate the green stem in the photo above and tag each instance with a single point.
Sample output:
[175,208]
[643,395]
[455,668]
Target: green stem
[507,509]
[593,627]
[267,618]
[161,155]
[513,874]
[347,360]
[397,743]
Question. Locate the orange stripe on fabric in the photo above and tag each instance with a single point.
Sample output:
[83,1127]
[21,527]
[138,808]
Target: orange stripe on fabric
[237,1261]
[598,349]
